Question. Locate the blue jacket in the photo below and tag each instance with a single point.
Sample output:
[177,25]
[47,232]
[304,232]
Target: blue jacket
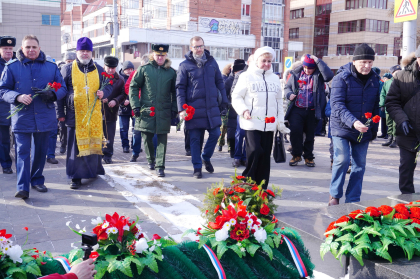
[4,106]
[350,100]
[199,87]
[17,78]
[328,114]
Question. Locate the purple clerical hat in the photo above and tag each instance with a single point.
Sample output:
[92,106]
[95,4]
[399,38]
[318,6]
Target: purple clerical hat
[84,43]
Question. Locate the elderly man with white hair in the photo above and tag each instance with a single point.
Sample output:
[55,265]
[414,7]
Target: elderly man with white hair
[257,98]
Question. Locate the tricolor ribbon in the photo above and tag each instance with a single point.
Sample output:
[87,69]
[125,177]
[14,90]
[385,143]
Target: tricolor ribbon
[64,262]
[296,257]
[215,262]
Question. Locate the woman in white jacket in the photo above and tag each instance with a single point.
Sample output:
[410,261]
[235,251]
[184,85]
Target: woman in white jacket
[257,98]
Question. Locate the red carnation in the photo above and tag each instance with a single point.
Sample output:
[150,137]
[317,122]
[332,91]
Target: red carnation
[239,189]
[267,120]
[330,227]
[184,106]
[400,208]
[417,221]
[264,210]
[111,82]
[272,119]
[216,191]
[111,76]
[152,113]
[385,209]
[368,115]
[342,219]
[270,192]
[240,177]
[376,119]
[216,209]
[255,188]
[373,211]
[415,212]
[103,73]
[156,236]
[240,232]
[400,216]
[231,193]
[152,108]
[264,196]
[355,213]
[25,228]
[94,255]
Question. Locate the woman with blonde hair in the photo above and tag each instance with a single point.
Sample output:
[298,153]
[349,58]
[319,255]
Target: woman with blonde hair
[257,98]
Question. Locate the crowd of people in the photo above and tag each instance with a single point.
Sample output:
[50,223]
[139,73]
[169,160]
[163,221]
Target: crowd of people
[246,103]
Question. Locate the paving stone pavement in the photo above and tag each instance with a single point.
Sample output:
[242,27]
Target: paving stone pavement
[46,214]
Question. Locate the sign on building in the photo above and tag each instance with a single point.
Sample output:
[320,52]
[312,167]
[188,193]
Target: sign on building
[219,25]
[288,61]
[405,10]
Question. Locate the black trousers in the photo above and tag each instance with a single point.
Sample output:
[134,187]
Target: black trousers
[109,133]
[302,120]
[231,140]
[62,130]
[258,152]
[187,139]
[407,167]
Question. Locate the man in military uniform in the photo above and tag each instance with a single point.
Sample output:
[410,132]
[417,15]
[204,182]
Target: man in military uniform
[21,80]
[156,105]
[6,54]
[83,79]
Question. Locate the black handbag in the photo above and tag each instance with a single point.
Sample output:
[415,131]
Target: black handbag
[278,153]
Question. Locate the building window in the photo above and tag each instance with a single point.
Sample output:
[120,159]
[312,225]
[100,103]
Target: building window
[358,4]
[100,32]
[293,33]
[246,10]
[53,20]
[296,14]
[380,49]
[130,4]
[246,28]
[273,13]
[323,9]
[100,18]
[180,8]
[371,25]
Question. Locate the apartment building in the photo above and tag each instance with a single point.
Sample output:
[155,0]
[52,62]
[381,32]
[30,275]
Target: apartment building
[230,29]
[331,30]
[19,18]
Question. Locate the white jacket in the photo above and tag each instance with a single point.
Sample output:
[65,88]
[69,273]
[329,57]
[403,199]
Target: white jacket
[261,93]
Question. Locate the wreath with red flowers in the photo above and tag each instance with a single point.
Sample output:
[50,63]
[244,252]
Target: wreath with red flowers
[370,233]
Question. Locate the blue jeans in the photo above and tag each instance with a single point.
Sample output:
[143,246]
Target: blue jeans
[30,163]
[52,143]
[240,153]
[341,164]
[209,147]
[124,128]
[5,159]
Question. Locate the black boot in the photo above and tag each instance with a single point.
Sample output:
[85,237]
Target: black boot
[388,143]
[393,144]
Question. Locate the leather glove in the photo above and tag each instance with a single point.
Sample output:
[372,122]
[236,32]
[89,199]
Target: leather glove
[173,114]
[406,127]
[47,95]
[136,112]
[374,134]
[382,109]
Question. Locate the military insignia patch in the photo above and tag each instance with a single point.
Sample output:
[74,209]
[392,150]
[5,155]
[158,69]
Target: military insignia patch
[9,41]
[161,48]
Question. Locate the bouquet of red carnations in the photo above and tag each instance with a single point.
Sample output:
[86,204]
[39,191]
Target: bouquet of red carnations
[368,116]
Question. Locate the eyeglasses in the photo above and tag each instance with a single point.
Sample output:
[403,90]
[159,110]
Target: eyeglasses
[198,47]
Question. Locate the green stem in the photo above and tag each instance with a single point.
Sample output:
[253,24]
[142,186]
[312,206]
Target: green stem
[93,108]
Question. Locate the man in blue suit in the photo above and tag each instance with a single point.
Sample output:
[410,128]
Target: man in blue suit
[7,44]
[21,79]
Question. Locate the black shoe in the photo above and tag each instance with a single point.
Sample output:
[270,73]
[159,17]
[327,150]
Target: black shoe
[160,172]
[151,166]
[62,150]
[381,136]
[208,166]
[188,153]
[393,144]
[7,171]
[52,161]
[40,188]
[134,158]
[388,143]
[108,160]
[220,148]
[197,173]
[22,194]
[75,183]
[141,150]
[243,163]
[386,136]
[285,139]
[126,150]
[236,163]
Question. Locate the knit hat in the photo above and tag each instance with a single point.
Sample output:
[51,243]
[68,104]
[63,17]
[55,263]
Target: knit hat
[363,52]
[263,50]
[238,65]
[111,61]
[84,43]
[387,75]
[309,62]
[394,68]
[127,65]
[70,56]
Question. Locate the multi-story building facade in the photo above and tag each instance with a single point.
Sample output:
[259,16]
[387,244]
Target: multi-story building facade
[19,18]
[331,29]
[230,29]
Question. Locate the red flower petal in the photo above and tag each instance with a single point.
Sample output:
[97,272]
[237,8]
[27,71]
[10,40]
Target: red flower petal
[156,236]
